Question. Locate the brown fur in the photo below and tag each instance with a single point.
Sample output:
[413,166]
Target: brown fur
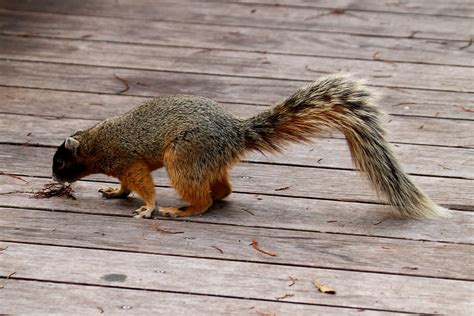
[197,142]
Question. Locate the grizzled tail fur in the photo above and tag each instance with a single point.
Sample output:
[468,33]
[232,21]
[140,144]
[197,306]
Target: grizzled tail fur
[340,102]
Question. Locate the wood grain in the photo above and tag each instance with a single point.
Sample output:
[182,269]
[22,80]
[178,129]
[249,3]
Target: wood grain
[63,66]
[262,16]
[401,129]
[200,240]
[340,185]
[232,63]
[29,297]
[221,88]
[239,38]
[71,104]
[464,8]
[187,275]
[325,152]
[254,210]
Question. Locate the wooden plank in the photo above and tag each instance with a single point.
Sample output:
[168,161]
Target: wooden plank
[232,63]
[47,298]
[340,185]
[253,210]
[221,88]
[263,16]
[323,152]
[236,279]
[464,8]
[239,38]
[317,250]
[71,104]
[401,129]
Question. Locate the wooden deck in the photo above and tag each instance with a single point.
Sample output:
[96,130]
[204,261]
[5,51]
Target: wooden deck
[64,65]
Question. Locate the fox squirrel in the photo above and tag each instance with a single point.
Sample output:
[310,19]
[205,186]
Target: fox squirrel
[197,142]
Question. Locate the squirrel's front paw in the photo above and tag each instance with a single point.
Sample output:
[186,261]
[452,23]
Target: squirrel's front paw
[143,212]
[114,193]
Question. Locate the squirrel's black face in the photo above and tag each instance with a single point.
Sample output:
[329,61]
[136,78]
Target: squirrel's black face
[66,163]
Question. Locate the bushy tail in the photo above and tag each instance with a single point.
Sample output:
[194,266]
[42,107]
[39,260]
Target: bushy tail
[338,101]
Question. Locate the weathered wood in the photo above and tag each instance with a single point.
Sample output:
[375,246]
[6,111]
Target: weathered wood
[340,185]
[154,83]
[253,210]
[463,8]
[274,17]
[47,298]
[323,152]
[238,38]
[401,129]
[236,279]
[233,63]
[373,260]
[317,250]
[100,106]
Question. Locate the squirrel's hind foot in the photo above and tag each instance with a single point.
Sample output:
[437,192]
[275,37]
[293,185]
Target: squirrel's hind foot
[114,193]
[143,212]
[184,212]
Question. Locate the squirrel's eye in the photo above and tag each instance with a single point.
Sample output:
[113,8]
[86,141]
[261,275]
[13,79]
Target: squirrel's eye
[60,164]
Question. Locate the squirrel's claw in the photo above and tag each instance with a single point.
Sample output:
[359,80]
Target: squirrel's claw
[143,212]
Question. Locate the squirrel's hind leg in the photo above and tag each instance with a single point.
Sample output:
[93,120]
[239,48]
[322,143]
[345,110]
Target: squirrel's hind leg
[196,194]
[190,183]
[221,187]
[138,179]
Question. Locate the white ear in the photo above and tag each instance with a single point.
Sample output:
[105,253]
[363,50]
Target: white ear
[71,144]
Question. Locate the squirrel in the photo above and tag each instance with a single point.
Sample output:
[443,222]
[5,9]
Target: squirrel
[198,142]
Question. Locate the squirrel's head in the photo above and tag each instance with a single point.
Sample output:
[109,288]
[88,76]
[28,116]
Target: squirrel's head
[67,164]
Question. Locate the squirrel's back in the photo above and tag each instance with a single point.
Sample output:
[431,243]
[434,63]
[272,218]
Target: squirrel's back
[195,124]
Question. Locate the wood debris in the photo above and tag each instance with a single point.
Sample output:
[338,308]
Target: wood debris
[467,45]
[164,231]
[55,189]
[375,57]
[284,296]
[444,167]
[254,244]
[324,288]
[218,249]
[465,109]
[13,192]
[293,281]
[283,189]
[13,176]
[125,83]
